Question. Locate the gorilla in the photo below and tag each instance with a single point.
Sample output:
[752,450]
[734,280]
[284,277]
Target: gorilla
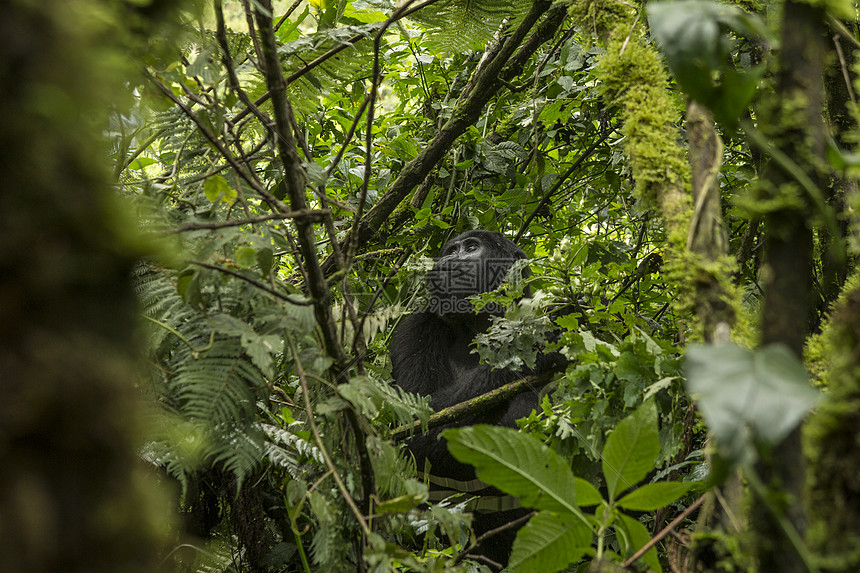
[431,355]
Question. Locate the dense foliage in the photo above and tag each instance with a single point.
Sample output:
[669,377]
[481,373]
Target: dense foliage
[295,166]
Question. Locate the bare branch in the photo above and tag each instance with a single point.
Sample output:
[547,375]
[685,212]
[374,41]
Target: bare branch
[315,215]
[295,180]
[254,282]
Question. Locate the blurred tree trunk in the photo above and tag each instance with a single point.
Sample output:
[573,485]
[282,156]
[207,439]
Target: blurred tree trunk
[71,495]
[838,75]
[831,443]
[793,121]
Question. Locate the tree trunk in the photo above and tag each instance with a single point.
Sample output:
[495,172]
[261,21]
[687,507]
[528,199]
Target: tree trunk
[71,496]
[796,127]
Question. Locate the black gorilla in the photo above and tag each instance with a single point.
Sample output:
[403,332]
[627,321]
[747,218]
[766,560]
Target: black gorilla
[430,354]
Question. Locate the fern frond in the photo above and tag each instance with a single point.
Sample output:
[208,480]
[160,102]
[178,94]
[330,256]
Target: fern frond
[238,450]
[217,386]
[349,65]
[382,401]
[291,442]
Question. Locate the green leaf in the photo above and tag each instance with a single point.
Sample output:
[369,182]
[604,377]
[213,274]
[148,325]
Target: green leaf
[637,536]
[631,449]
[261,349]
[289,30]
[245,257]
[400,504]
[693,36]
[743,394]
[518,465]
[217,189]
[655,495]
[140,163]
[586,494]
[549,542]
[265,259]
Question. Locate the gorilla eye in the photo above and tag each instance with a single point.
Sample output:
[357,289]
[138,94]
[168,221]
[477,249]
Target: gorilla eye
[472,247]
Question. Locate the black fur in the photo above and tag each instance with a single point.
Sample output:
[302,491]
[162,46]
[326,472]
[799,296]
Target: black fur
[430,355]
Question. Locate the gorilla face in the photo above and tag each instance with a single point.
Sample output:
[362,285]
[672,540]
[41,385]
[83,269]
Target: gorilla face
[472,263]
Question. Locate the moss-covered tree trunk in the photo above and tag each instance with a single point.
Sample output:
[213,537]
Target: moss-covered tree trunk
[831,444]
[70,496]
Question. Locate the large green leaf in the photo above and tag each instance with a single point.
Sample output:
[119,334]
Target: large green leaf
[744,395]
[549,542]
[631,449]
[655,495]
[216,188]
[518,465]
[586,494]
[636,536]
[693,36]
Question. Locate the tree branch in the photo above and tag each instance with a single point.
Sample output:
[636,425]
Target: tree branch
[270,199]
[295,180]
[254,282]
[480,403]
[315,215]
[484,86]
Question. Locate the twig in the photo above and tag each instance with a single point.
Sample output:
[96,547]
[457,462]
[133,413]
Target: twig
[254,282]
[846,74]
[548,195]
[665,531]
[318,439]
[290,10]
[315,215]
[227,59]
[383,284]
[271,200]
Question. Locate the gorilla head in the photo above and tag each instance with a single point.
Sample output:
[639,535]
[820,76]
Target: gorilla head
[471,263]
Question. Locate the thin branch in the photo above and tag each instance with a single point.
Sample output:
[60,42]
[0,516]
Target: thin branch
[227,60]
[290,10]
[376,295]
[548,195]
[316,215]
[665,531]
[843,66]
[270,199]
[516,523]
[480,403]
[254,282]
[306,392]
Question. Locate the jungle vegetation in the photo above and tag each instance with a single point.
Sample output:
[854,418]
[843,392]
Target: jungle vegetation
[214,213]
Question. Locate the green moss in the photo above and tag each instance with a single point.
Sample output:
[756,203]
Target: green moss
[720,552]
[831,440]
[632,75]
[600,16]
